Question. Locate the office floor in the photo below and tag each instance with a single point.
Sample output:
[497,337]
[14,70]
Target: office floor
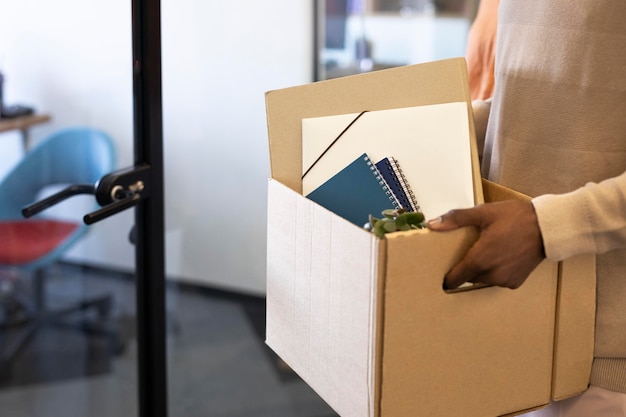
[218,365]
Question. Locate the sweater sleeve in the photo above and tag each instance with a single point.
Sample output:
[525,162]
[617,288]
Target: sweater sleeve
[591,219]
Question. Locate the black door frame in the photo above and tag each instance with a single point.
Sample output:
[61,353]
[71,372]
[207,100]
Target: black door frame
[149,213]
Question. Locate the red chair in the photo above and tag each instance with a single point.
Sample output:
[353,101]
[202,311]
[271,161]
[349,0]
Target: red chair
[29,246]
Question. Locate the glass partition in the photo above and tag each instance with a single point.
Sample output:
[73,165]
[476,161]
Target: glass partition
[67,290]
[354,36]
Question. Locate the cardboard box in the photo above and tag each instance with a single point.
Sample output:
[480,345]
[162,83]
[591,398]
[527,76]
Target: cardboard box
[366,323]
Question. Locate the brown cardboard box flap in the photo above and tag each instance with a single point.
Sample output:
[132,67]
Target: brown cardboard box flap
[436,82]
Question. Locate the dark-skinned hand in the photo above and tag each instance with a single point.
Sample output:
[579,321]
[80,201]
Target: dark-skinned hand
[508,249]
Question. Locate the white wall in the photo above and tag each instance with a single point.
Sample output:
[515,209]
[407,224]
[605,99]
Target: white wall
[72,58]
[220,58]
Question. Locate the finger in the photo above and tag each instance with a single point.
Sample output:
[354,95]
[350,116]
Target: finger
[464,271]
[455,219]
[469,269]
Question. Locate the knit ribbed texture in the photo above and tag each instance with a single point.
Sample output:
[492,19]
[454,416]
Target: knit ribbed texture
[609,373]
[557,129]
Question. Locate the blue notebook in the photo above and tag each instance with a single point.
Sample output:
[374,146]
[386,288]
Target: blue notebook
[395,179]
[355,192]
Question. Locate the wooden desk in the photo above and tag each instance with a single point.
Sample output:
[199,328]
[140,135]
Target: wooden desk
[23,124]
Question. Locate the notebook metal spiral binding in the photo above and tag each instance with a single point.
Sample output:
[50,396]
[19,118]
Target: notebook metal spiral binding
[392,198]
[407,189]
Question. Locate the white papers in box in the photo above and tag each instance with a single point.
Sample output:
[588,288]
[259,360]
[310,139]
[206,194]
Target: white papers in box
[431,144]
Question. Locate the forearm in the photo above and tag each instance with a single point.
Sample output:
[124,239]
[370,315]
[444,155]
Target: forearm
[591,219]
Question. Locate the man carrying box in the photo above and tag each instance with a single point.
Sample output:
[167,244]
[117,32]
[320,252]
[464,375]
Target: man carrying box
[557,131]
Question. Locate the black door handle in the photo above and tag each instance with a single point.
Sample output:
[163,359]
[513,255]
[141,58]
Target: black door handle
[50,201]
[111,209]
[115,192]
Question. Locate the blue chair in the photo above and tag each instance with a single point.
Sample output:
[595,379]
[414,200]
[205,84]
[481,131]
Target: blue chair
[71,156]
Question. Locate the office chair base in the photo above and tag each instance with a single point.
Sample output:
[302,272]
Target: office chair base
[31,316]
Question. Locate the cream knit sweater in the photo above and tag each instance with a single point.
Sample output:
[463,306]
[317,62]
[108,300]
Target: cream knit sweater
[557,132]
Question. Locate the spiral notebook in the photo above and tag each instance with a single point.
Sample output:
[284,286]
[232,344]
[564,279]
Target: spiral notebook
[396,181]
[355,192]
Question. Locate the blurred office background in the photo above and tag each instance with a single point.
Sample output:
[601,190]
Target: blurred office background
[71,60]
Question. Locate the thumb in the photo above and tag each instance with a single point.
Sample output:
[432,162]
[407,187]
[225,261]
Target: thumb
[455,219]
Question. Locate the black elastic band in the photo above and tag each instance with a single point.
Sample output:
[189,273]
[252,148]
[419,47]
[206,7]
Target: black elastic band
[333,142]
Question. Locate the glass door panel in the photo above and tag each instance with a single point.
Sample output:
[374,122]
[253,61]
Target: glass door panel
[68,334]
[219,58]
